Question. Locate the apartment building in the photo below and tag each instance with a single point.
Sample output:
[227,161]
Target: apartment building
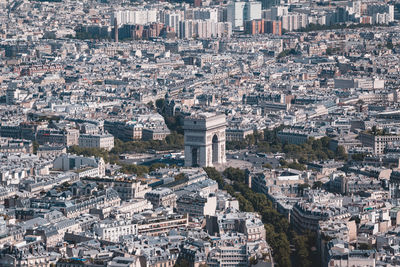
[196,205]
[104,141]
[161,224]
[162,197]
[378,142]
[111,230]
[130,188]
[68,137]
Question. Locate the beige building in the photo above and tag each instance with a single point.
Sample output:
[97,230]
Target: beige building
[238,134]
[378,142]
[130,188]
[112,230]
[162,197]
[105,141]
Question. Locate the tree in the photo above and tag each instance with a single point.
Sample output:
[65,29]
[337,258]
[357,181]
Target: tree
[263,147]
[279,234]
[374,130]
[35,146]
[253,261]
[341,153]
[358,157]
[150,105]
[160,104]
[235,174]
[215,175]
[389,45]
[330,51]
[301,188]
[268,166]
[250,140]
[182,263]
[139,170]
[286,53]
[179,177]
[175,140]
[296,166]
[317,185]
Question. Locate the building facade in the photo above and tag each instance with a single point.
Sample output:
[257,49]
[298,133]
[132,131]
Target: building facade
[105,141]
[205,140]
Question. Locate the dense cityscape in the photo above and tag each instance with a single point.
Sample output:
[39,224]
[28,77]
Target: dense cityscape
[221,133]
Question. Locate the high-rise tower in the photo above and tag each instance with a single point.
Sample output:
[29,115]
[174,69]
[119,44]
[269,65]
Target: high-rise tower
[115,30]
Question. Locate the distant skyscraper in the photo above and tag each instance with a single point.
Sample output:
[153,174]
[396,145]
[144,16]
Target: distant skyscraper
[270,3]
[115,30]
[235,13]
[254,27]
[139,16]
[238,12]
[252,10]
[274,27]
[277,12]
[172,19]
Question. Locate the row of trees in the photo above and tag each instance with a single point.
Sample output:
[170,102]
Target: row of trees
[173,141]
[140,170]
[279,234]
[113,158]
[268,142]
[96,152]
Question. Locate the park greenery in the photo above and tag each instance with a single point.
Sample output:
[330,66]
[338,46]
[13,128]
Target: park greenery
[287,52]
[296,156]
[95,152]
[289,248]
[173,141]
[268,142]
[292,165]
[279,233]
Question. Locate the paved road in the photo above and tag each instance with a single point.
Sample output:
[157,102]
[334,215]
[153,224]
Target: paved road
[252,158]
[151,159]
[238,159]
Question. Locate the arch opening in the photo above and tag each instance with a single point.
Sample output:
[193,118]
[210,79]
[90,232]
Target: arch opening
[215,148]
[194,157]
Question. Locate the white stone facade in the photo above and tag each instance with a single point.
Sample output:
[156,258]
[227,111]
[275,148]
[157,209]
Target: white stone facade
[205,140]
